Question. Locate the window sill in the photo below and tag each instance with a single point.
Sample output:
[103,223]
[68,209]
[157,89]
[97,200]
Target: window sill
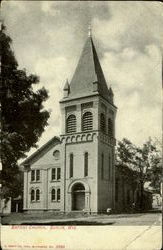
[55,180]
[56,201]
[31,182]
[35,201]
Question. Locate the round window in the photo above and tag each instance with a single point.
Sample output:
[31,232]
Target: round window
[56,154]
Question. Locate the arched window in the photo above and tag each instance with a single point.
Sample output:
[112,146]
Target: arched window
[71,165]
[102,123]
[53,195]
[37,195]
[86,164]
[32,195]
[71,124]
[58,194]
[78,187]
[87,121]
[110,127]
[56,154]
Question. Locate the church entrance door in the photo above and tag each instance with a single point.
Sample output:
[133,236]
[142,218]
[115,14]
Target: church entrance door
[78,197]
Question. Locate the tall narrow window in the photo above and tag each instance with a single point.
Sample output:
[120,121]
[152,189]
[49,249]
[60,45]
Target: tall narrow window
[110,166]
[86,164]
[102,166]
[53,195]
[87,121]
[71,165]
[53,174]
[58,194]
[37,195]
[32,195]
[71,124]
[110,127]
[37,175]
[58,173]
[102,123]
[32,175]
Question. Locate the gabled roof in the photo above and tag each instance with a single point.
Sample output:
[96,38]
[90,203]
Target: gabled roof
[41,151]
[88,72]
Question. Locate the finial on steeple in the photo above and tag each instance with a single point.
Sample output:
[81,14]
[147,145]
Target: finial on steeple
[66,88]
[111,94]
[1,23]
[1,19]
[89,31]
[110,90]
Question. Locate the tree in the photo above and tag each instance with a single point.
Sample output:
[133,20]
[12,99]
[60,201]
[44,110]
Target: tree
[23,117]
[125,159]
[144,163]
[155,174]
[125,153]
[149,164]
[125,163]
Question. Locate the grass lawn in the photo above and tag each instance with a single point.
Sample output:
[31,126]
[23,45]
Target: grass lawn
[51,218]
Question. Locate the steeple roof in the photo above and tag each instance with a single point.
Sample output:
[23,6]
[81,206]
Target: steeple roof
[88,78]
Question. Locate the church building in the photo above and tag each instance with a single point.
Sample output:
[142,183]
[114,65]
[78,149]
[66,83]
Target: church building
[76,171]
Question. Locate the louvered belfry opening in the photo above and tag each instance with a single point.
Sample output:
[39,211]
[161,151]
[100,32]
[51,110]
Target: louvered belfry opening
[110,127]
[87,121]
[102,123]
[71,124]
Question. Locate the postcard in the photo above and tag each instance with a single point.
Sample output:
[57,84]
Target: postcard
[81,163]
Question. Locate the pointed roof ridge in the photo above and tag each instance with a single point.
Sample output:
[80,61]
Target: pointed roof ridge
[66,86]
[89,31]
[88,72]
[47,146]
[110,90]
[103,87]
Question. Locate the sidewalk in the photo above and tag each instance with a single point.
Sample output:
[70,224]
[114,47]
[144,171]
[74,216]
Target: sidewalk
[103,219]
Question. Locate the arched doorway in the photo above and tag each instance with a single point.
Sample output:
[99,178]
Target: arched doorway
[78,197]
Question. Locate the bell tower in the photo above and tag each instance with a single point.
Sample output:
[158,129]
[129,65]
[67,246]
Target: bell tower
[88,136]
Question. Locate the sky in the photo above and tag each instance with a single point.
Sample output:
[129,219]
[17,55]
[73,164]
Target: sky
[48,37]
